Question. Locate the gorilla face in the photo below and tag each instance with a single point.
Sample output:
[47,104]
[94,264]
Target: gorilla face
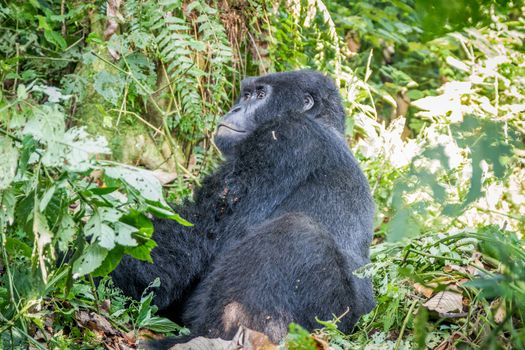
[261,99]
[240,121]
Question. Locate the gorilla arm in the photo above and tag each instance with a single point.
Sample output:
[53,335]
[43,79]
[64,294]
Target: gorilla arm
[181,255]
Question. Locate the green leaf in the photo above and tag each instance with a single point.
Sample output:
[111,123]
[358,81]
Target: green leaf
[14,247]
[402,226]
[89,261]
[21,92]
[28,148]
[99,231]
[109,214]
[110,262]
[66,232]
[46,124]
[92,226]
[7,206]
[8,162]
[145,309]
[44,233]
[141,180]
[103,190]
[55,38]
[139,220]
[106,237]
[160,324]
[80,147]
[166,213]
[109,86]
[299,338]
[46,198]
[143,251]
[123,234]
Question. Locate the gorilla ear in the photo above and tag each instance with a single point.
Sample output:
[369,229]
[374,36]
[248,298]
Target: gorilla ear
[308,102]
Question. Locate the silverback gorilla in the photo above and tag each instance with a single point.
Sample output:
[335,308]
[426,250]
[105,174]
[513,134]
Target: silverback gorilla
[278,228]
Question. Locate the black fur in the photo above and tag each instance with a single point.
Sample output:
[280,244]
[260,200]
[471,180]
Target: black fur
[279,227]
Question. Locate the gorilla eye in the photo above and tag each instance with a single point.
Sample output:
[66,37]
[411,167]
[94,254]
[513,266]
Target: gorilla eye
[261,93]
[246,95]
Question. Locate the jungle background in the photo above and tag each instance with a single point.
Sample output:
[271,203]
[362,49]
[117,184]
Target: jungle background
[107,112]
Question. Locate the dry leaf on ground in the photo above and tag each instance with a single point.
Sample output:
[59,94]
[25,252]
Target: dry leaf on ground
[94,322]
[245,339]
[320,343]
[500,310]
[445,302]
[448,344]
[421,289]
[112,338]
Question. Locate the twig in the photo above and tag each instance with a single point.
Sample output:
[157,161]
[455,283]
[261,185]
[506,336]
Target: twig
[141,119]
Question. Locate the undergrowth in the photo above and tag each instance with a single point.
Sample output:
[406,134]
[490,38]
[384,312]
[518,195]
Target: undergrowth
[94,96]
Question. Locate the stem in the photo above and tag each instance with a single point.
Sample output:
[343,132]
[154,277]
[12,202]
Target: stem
[409,313]
[94,291]
[435,256]
[6,263]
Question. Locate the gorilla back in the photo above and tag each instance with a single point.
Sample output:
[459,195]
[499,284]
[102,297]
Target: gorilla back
[279,227]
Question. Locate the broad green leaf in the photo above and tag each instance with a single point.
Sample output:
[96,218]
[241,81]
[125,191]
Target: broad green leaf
[110,215]
[28,148]
[41,228]
[55,38]
[92,226]
[66,232]
[100,231]
[167,213]
[7,206]
[80,148]
[123,234]
[143,251]
[15,246]
[8,162]
[110,262]
[46,124]
[144,310]
[89,261]
[103,190]
[46,198]
[21,92]
[109,86]
[105,237]
[140,221]
[141,180]
[160,324]
[402,226]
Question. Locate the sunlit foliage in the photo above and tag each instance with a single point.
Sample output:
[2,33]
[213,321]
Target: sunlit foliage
[435,97]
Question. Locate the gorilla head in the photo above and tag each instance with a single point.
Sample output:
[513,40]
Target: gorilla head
[279,95]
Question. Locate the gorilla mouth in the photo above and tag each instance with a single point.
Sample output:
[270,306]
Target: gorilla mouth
[229,127]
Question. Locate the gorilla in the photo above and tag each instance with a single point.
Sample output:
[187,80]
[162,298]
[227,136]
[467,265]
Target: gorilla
[278,228]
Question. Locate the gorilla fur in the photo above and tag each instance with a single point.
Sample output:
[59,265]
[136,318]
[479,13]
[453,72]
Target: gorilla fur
[278,228]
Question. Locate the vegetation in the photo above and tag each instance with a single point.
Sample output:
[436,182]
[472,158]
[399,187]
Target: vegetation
[101,99]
